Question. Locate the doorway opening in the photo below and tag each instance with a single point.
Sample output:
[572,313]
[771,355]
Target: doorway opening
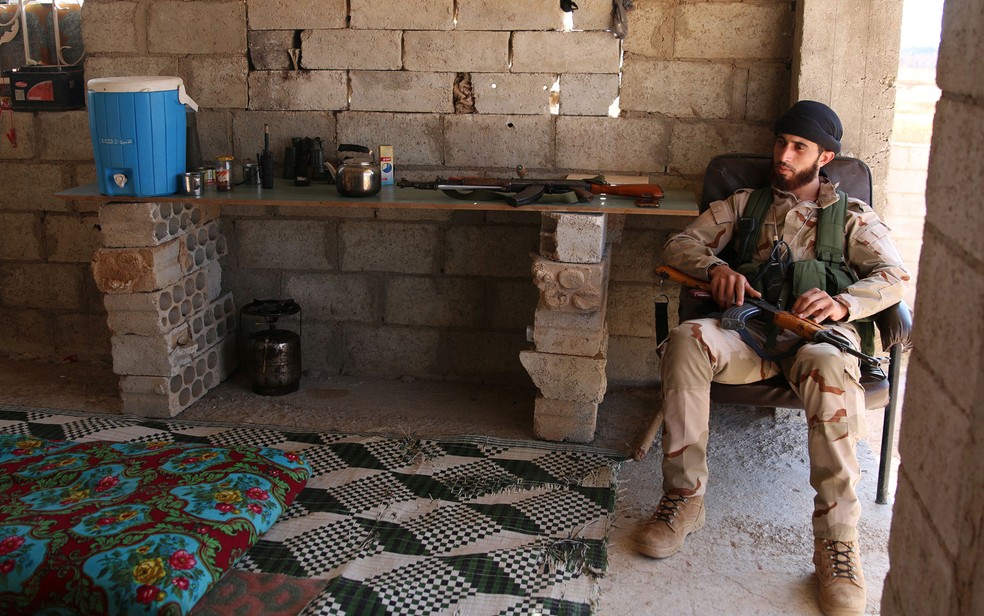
[916,96]
[915,104]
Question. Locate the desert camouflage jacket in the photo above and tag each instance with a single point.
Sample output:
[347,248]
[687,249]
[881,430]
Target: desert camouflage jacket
[868,248]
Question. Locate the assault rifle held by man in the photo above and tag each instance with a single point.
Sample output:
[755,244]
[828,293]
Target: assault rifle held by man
[517,192]
[735,317]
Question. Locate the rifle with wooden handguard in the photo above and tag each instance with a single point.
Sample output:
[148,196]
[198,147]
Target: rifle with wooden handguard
[521,191]
[736,316]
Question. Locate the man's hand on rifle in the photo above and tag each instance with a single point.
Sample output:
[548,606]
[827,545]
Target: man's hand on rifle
[817,306]
[728,287]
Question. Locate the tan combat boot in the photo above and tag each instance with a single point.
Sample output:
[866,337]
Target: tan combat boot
[838,566]
[675,518]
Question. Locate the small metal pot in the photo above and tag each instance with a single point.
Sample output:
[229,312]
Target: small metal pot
[358,174]
[274,360]
[273,356]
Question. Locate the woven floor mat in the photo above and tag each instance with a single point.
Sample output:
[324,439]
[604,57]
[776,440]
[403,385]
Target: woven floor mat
[459,525]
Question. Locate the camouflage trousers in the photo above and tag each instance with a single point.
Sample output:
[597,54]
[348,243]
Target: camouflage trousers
[700,351]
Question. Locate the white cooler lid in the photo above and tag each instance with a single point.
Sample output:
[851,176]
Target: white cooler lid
[142,84]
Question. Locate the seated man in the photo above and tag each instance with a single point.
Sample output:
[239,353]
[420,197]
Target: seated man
[821,255]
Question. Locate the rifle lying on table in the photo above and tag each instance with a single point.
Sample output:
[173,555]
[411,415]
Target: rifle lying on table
[735,318]
[517,192]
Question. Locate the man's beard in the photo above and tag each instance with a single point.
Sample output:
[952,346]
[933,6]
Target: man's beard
[797,180]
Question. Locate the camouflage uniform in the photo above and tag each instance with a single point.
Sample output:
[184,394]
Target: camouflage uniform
[699,351]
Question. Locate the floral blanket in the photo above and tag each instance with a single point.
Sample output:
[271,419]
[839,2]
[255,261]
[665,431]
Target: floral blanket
[131,528]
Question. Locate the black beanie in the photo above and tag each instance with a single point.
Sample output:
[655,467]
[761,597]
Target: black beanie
[814,121]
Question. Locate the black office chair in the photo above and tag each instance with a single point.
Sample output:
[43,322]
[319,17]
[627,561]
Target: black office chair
[725,175]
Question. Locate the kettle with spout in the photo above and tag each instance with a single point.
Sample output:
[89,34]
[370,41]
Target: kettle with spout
[358,173]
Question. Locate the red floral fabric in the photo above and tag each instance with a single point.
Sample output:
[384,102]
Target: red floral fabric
[131,528]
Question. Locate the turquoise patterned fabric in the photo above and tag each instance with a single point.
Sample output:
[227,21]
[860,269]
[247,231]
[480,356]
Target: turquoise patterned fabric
[131,528]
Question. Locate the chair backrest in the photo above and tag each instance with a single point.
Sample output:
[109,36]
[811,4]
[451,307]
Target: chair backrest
[729,172]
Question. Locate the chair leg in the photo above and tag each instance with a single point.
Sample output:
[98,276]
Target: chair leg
[888,429]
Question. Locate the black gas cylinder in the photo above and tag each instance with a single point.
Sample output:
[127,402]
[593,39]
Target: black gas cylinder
[273,355]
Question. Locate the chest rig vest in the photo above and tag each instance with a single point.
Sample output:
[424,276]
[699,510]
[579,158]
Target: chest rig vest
[827,271]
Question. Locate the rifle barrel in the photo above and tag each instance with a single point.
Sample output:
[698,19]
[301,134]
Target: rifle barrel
[467,187]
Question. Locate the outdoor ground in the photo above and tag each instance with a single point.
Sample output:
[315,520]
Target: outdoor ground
[752,557]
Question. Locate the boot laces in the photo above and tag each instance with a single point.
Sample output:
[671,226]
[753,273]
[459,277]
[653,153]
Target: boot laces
[840,555]
[669,507]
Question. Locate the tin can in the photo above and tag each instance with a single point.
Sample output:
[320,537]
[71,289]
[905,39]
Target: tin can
[223,173]
[208,175]
[251,173]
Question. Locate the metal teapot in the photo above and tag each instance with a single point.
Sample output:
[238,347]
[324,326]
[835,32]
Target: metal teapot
[358,173]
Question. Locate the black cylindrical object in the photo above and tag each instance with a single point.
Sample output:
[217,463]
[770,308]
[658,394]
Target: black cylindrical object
[193,148]
[266,169]
[274,360]
[318,173]
[266,160]
[302,162]
[290,160]
[273,356]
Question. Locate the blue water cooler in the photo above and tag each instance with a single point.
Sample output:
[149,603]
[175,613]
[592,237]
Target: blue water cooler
[138,129]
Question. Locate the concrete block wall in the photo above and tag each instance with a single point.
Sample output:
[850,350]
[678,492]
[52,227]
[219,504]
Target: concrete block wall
[393,293]
[938,523]
[49,305]
[173,329]
[684,88]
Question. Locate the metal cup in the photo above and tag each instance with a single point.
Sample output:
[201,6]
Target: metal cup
[191,183]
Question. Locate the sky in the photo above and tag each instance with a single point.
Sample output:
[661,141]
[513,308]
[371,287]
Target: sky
[921,21]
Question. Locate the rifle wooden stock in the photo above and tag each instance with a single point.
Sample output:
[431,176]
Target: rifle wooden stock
[637,191]
[671,273]
[645,441]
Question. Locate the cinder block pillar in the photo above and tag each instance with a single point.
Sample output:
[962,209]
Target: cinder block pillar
[569,333]
[173,330]
[857,79]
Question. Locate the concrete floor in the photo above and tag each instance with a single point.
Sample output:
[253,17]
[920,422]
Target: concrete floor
[752,557]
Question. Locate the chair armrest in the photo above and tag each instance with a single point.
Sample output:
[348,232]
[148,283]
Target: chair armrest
[895,326]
